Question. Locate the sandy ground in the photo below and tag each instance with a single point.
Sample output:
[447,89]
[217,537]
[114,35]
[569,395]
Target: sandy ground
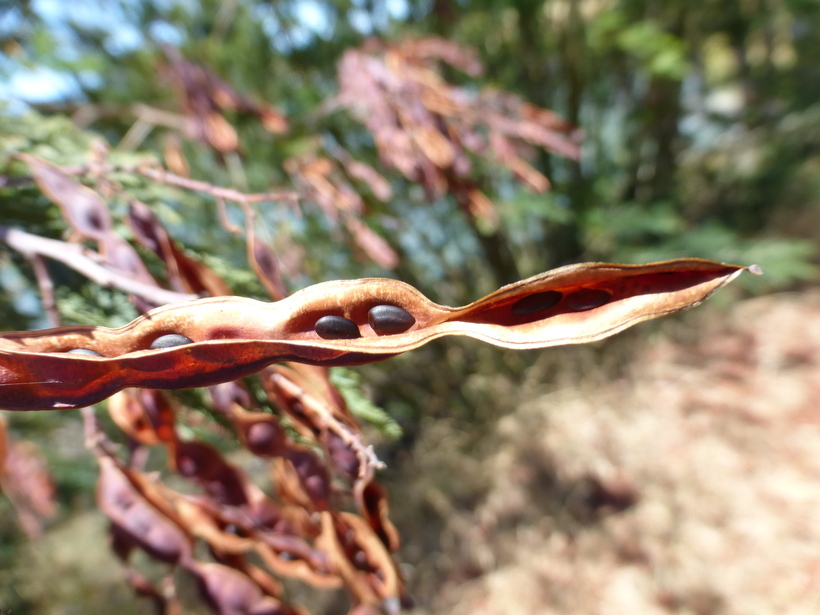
[688,485]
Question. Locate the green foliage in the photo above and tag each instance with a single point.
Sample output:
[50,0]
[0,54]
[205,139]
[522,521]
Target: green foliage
[630,231]
[91,305]
[55,138]
[349,383]
[662,54]
[658,52]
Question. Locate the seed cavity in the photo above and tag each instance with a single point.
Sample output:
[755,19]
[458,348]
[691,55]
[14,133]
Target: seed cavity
[536,302]
[336,328]
[170,341]
[390,319]
[587,299]
[85,351]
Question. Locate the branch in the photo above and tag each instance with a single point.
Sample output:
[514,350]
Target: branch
[46,289]
[162,176]
[368,461]
[72,255]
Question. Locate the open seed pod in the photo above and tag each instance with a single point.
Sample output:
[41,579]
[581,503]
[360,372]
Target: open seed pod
[218,339]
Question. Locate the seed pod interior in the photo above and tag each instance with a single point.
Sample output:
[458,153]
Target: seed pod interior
[349,322]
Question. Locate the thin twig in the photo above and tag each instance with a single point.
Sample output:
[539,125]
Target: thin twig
[138,132]
[84,115]
[368,461]
[229,194]
[229,226]
[91,428]
[46,289]
[159,117]
[161,175]
[166,177]
[72,255]
[95,439]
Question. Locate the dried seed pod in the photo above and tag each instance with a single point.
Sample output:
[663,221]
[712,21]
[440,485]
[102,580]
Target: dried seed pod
[83,209]
[230,592]
[265,438]
[136,518]
[342,455]
[170,341]
[203,464]
[312,474]
[372,502]
[336,328]
[236,337]
[390,319]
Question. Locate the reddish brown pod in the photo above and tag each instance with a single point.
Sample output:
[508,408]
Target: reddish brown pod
[136,521]
[229,592]
[350,322]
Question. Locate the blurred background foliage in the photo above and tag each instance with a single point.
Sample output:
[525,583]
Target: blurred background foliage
[701,137]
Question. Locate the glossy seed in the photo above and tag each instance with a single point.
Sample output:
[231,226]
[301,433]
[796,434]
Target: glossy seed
[336,328]
[587,299]
[536,302]
[170,340]
[85,351]
[390,319]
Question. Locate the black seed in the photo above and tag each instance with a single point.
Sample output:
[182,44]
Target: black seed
[536,302]
[336,328]
[587,299]
[85,351]
[170,340]
[390,319]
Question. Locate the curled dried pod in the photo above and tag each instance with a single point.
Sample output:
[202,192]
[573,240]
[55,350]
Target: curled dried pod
[136,519]
[232,592]
[312,475]
[371,499]
[264,438]
[342,456]
[320,325]
[203,464]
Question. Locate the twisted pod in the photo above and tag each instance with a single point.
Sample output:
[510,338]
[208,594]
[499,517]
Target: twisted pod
[208,341]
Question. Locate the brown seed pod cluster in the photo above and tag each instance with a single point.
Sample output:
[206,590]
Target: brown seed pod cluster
[299,534]
[432,131]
